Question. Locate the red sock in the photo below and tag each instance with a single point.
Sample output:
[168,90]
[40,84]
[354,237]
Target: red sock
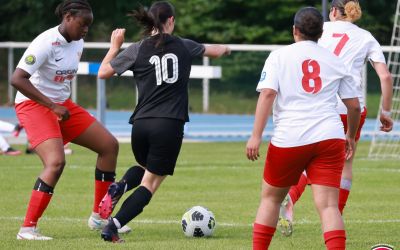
[296,191]
[37,204]
[100,189]
[262,236]
[343,196]
[335,240]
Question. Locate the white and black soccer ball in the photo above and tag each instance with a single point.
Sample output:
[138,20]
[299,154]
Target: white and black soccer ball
[198,221]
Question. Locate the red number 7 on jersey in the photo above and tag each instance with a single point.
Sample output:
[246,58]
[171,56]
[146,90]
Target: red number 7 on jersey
[344,39]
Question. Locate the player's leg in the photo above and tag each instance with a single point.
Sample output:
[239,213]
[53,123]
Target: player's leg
[267,215]
[287,205]
[44,134]
[156,144]
[324,173]
[84,130]
[283,168]
[326,202]
[347,174]
[5,148]
[131,179]
[52,155]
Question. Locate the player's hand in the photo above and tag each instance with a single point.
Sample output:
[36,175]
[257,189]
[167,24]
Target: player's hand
[227,50]
[61,112]
[117,38]
[252,148]
[387,123]
[350,145]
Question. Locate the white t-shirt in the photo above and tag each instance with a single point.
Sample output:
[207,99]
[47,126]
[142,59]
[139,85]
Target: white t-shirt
[52,63]
[304,111]
[354,46]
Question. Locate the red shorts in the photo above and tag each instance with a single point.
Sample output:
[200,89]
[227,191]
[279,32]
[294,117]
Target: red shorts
[41,124]
[362,120]
[323,162]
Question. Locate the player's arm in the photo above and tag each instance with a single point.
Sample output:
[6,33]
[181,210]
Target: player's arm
[35,55]
[215,51]
[263,109]
[353,121]
[387,93]
[117,39]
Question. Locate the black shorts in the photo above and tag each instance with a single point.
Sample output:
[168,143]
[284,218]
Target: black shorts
[156,143]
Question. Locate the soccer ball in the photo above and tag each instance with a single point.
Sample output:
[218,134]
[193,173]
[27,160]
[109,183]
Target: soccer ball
[198,222]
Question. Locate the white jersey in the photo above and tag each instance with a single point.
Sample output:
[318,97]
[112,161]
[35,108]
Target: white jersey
[52,63]
[355,46]
[307,78]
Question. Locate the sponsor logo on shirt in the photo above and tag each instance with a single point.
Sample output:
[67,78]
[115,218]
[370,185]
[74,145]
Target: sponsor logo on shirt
[30,59]
[65,75]
[56,43]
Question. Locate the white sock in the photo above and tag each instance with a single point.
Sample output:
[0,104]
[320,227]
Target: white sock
[117,224]
[345,184]
[3,144]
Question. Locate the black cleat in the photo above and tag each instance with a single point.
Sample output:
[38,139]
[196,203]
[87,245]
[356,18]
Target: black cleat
[110,232]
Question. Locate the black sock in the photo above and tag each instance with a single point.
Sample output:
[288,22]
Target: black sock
[41,186]
[133,205]
[133,177]
[104,176]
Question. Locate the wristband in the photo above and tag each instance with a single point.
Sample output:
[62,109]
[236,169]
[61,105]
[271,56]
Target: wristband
[385,113]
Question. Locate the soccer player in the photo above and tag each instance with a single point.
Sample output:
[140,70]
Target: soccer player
[300,82]
[354,46]
[161,64]
[43,79]
[5,148]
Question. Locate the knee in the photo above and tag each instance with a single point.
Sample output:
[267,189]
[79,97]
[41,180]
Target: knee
[111,147]
[56,166]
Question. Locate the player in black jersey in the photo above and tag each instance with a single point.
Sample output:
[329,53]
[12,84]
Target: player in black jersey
[161,64]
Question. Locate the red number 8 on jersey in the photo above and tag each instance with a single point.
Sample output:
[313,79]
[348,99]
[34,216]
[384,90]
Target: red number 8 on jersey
[313,75]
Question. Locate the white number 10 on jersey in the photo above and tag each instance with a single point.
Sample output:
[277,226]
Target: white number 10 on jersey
[161,68]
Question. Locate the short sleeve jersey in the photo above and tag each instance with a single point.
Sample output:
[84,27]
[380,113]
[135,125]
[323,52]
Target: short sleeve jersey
[307,78]
[52,63]
[354,46]
[161,74]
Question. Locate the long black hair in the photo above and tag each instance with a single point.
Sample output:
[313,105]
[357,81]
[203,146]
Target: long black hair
[310,23]
[72,6]
[154,19]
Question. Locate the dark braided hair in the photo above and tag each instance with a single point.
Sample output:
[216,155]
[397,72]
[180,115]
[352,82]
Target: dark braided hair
[72,6]
[310,23]
[154,18]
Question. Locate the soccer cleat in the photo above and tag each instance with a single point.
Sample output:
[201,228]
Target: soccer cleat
[114,193]
[97,223]
[17,130]
[285,222]
[12,152]
[110,232]
[31,233]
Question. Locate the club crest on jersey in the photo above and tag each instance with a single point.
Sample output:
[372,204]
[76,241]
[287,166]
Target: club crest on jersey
[30,59]
[56,43]
[263,75]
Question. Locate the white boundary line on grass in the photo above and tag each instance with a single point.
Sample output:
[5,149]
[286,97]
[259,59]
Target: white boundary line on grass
[224,224]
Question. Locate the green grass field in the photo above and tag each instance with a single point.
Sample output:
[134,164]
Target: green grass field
[215,175]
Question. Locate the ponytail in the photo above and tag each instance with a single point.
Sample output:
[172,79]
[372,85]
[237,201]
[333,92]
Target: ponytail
[352,11]
[349,9]
[154,19]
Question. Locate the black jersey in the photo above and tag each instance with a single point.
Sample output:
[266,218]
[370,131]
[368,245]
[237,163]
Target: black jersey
[161,74]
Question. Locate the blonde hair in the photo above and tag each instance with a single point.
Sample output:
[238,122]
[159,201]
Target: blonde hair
[352,10]
[349,9]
